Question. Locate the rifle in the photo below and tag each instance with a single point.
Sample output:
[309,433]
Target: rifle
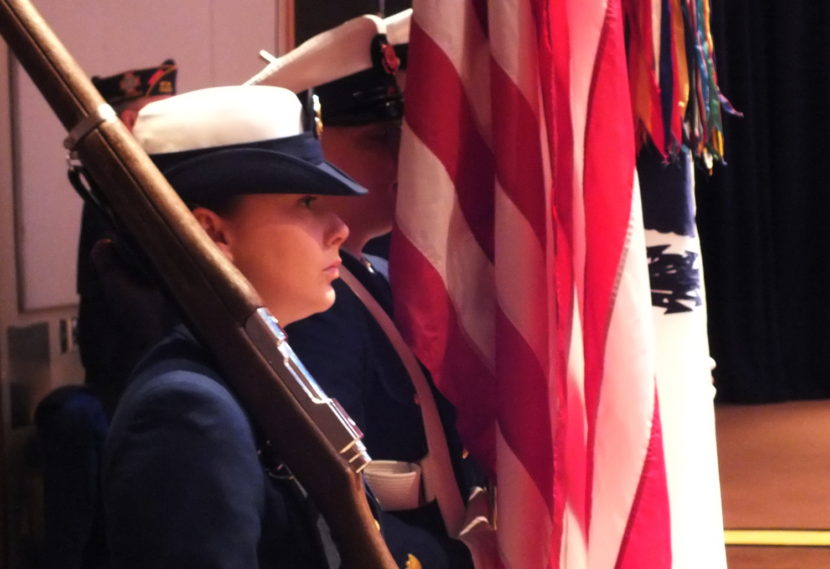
[317,440]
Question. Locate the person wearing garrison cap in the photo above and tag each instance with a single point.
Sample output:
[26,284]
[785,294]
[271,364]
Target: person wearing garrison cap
[127,92]
[185,481]
[355,70]
[118,317]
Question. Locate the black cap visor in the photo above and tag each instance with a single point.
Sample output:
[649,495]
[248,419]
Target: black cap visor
[291,165]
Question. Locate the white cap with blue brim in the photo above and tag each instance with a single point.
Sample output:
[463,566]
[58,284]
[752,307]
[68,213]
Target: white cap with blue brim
[235,140]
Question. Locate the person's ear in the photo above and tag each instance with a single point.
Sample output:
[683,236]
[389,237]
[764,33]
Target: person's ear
[216,228]
[128,117]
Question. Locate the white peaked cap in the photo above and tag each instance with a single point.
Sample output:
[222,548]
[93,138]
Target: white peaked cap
[397,27]
[218,116]
[237,140]
[333,54]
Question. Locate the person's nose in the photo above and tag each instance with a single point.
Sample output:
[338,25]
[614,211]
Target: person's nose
[337,231]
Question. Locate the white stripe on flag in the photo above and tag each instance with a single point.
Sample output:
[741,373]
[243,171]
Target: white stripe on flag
[521,281]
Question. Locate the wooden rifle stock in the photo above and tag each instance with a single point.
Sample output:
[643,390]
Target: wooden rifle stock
[218,301]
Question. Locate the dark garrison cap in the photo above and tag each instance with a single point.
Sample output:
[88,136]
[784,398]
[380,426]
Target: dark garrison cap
[135,83]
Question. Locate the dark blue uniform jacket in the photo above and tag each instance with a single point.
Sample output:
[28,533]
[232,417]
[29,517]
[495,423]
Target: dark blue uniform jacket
[183,485]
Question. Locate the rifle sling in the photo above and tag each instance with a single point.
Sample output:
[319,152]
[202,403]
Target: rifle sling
[437,465]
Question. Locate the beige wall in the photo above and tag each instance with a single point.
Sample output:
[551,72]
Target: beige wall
[46,365]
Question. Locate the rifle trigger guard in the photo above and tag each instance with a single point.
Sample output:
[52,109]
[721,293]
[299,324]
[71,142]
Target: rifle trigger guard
[104,113]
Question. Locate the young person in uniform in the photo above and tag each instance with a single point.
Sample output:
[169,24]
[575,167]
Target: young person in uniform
[115,325]
[117,321]
[183,483]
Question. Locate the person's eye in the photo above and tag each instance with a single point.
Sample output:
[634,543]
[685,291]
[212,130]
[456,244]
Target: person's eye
[306,201]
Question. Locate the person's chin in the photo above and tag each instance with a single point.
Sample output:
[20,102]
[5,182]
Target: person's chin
[330,297]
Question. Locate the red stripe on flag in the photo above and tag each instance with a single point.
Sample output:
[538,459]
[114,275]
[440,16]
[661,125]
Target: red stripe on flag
[553,41]
[646,543]
[443,121]
[525,420]
[517,152]
[608,184]
[481,12]
[430,325]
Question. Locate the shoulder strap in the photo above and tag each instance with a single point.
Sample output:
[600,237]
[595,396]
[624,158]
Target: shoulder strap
[436,466]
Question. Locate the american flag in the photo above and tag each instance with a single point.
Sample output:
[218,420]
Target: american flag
[520,275]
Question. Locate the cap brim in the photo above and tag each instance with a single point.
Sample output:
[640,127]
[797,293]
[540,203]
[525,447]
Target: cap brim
[238,171]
